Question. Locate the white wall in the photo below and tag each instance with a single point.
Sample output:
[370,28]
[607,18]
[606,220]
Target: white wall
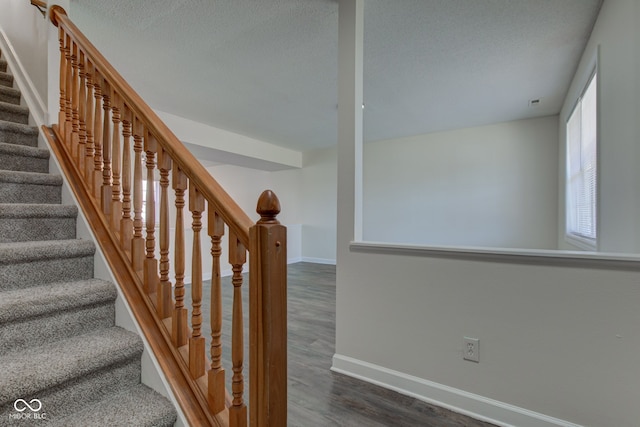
[27,31]
[484,186]
[557,338]
[616,33]
[318,206]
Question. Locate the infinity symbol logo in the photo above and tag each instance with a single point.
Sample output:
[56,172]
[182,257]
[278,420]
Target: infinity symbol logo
[35,408]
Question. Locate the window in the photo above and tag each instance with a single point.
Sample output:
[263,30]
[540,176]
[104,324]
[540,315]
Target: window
[582,160]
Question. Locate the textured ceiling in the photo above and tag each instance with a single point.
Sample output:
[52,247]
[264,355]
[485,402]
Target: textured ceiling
[268,69]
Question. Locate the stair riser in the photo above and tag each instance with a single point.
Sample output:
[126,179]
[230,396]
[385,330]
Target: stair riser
[23,163]
[39,272]
[19,138]
[6,79]
[71,396]
[11,192]
[3,66]
[30,229]
[14,116]
[60,325]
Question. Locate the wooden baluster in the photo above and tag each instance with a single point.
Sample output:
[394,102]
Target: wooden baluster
[69,89]
[137,244]
[116,159]
[75,121]
[82,105]
[150,262]
[106,151]
[237,258]
[126,224]
[164,303]
[268,316]
[216,374]
[180,314]
[90,111]
[63,81]
[97,138]
[196,342]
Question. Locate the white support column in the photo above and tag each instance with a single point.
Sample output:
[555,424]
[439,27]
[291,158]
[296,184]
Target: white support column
[350,97]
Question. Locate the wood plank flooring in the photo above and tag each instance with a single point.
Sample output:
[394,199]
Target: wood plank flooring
[317,396]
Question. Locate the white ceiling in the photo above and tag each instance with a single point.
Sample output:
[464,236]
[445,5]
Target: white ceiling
[268,69]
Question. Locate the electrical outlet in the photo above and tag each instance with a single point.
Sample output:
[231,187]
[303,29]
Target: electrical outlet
[471,350]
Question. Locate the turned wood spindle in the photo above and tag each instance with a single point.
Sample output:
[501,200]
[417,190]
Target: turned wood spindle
[216,375]
[63,81]
[82,105]
[196,342]
[97,138]
[75,86]
[69,90]
[164,304]
[180,313]
[106,150]
[90,111]
[150,261]
[238,409]
[116,159]
[137,244]
[126,223]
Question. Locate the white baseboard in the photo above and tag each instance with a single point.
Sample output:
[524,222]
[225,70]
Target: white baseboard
[37,108]
[460,401]
[318,260]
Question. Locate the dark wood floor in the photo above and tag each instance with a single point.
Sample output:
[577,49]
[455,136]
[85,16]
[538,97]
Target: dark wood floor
[317,396]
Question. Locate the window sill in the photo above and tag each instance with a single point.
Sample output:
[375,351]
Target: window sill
[505,255]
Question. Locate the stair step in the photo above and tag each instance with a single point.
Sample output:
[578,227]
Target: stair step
[23,158]
[124,409]
[14,113]
[25,264]
[20,222]
[3,65]
[10,95]
[44,314]
[17,133]
[69,374]
[29,187]
[6,79]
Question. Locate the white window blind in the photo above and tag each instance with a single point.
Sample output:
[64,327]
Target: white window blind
[582,167]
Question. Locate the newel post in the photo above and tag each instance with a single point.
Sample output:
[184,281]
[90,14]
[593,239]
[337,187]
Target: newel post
[268,316]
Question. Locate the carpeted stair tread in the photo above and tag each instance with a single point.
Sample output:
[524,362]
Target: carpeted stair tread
[23,158]
[6,79]
[10,95]
[123,409]
[35,178]
[32,222]
[22,252]
[39,301]
[45,314]
[30,187]
[17,133]
[23,150]
[24,222]
[3,65]
[14,113]
[34,370]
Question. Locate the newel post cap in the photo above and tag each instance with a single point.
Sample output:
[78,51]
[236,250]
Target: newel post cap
[54,11]
[268,207]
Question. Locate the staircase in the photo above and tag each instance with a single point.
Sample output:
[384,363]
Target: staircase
[58,339]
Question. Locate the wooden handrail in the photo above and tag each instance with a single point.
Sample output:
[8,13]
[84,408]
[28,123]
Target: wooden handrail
[232,214]
[107,139]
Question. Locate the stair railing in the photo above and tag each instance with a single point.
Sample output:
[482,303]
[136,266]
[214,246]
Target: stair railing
[116,147]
